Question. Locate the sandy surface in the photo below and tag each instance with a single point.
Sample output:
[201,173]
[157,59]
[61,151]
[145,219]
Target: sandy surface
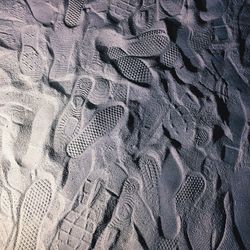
[124,124]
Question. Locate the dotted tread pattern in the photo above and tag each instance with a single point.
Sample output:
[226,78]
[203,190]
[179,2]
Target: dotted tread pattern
[134,69]
[5,202]
[166,244]
[191,190]
[103,123]
[148,46]
[200,40]
[201,137]
[115,53]
[73,12]
[151,33]
[170,55]
[33,211]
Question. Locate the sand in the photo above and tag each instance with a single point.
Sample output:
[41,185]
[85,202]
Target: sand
[124,124]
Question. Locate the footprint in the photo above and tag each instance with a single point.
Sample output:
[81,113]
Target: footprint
[114,53]
[148,44]
[119,92]
[229,238]
[180,124]
[244,19]
[202,136]
[130,67]
[201,39]
[170,181]
[42,122]
[70,120]
[246,56]
[30,34]
[119,230]
[241,203]
[190,191]
[134,69]
[103,123]
[6,218]
[62,45]
[78,170]
[144,18]
[183,40]
[165,244]
[31,62]
[122,9]
[34,208]
[80,224]
[100,92]
[150,170]
[73,12]
[171,56]
[172,7]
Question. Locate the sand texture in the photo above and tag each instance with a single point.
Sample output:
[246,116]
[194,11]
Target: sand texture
[125,124]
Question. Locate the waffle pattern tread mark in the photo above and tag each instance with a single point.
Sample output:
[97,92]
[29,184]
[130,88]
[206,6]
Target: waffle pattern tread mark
[134,69]
[34,209]
[171,54]
[99,126]
[191,190]
[149,46]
